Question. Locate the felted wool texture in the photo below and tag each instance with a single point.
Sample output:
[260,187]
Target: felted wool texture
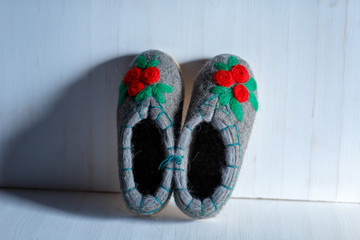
[155,125]
[204,110]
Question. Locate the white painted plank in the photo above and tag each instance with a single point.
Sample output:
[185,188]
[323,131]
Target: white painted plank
[40,215]
[326,127]
[349,152]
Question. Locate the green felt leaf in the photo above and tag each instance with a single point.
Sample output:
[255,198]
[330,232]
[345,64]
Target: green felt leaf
[153,63]
[251,84]
[232,61]
[158,94]
[122,92]
[158,91]
[122,86]
[155,57]
[163,87]
[221,66]
[236,108]
[253,101]
[225,98]
[143,94]
[141,62]
[220,90]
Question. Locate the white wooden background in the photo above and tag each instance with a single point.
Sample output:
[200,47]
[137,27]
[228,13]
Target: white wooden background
[61,63]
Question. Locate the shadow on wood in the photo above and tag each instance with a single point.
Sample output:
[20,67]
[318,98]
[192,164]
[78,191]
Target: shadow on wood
[91,204]
[189,71]
[74,146]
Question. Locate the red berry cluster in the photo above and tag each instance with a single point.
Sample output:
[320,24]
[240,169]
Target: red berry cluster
[136,78]
[237,74]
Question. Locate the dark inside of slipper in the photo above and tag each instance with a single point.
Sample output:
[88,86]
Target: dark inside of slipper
[148,153]
[206,161]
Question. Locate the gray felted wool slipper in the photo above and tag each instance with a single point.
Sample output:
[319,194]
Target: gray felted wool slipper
[215,135]
[149,118]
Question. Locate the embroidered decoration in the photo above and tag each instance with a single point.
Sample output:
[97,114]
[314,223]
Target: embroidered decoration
[228,75]
[177,159]
[139,82]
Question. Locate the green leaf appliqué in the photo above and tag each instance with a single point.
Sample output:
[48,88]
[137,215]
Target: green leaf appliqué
[236,108]
[253,100]
[122,92]
[224,93]
[143,94]
[153,62]
[232,61]
[141,62]
[251,84]
[164,87]
[225,98]
[158,91]
[221,66]
[220,89]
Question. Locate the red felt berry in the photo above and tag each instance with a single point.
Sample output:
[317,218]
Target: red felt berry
[135,88]
[223,78]
[150,75]
[240,73]
[133,75]
[241,93]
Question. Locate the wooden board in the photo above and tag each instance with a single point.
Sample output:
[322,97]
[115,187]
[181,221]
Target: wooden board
[61,63]
[27,214]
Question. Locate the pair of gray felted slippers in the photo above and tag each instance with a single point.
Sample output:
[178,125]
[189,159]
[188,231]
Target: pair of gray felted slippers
[200,162]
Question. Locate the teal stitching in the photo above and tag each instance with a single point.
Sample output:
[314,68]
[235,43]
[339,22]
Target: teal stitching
[176,158]
[188,204]
[226,187]
[180,189]
[155,107]
[169,148]
[125,148]
[158,200]
[128,112]
[227,127]
[188,127]
[169,118]
[141,201]
[227,109]
[158,117]
[126,115]
[167,127]
[180,148]
[224,113]
[199,108]
[213,203]
[238,137]
[176,169]
[232,144]
[165,188]
[232,166]
[137,109]
[214,96]
[210,105]
[126,200]
[157,209]
[126,169]
[128,190]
